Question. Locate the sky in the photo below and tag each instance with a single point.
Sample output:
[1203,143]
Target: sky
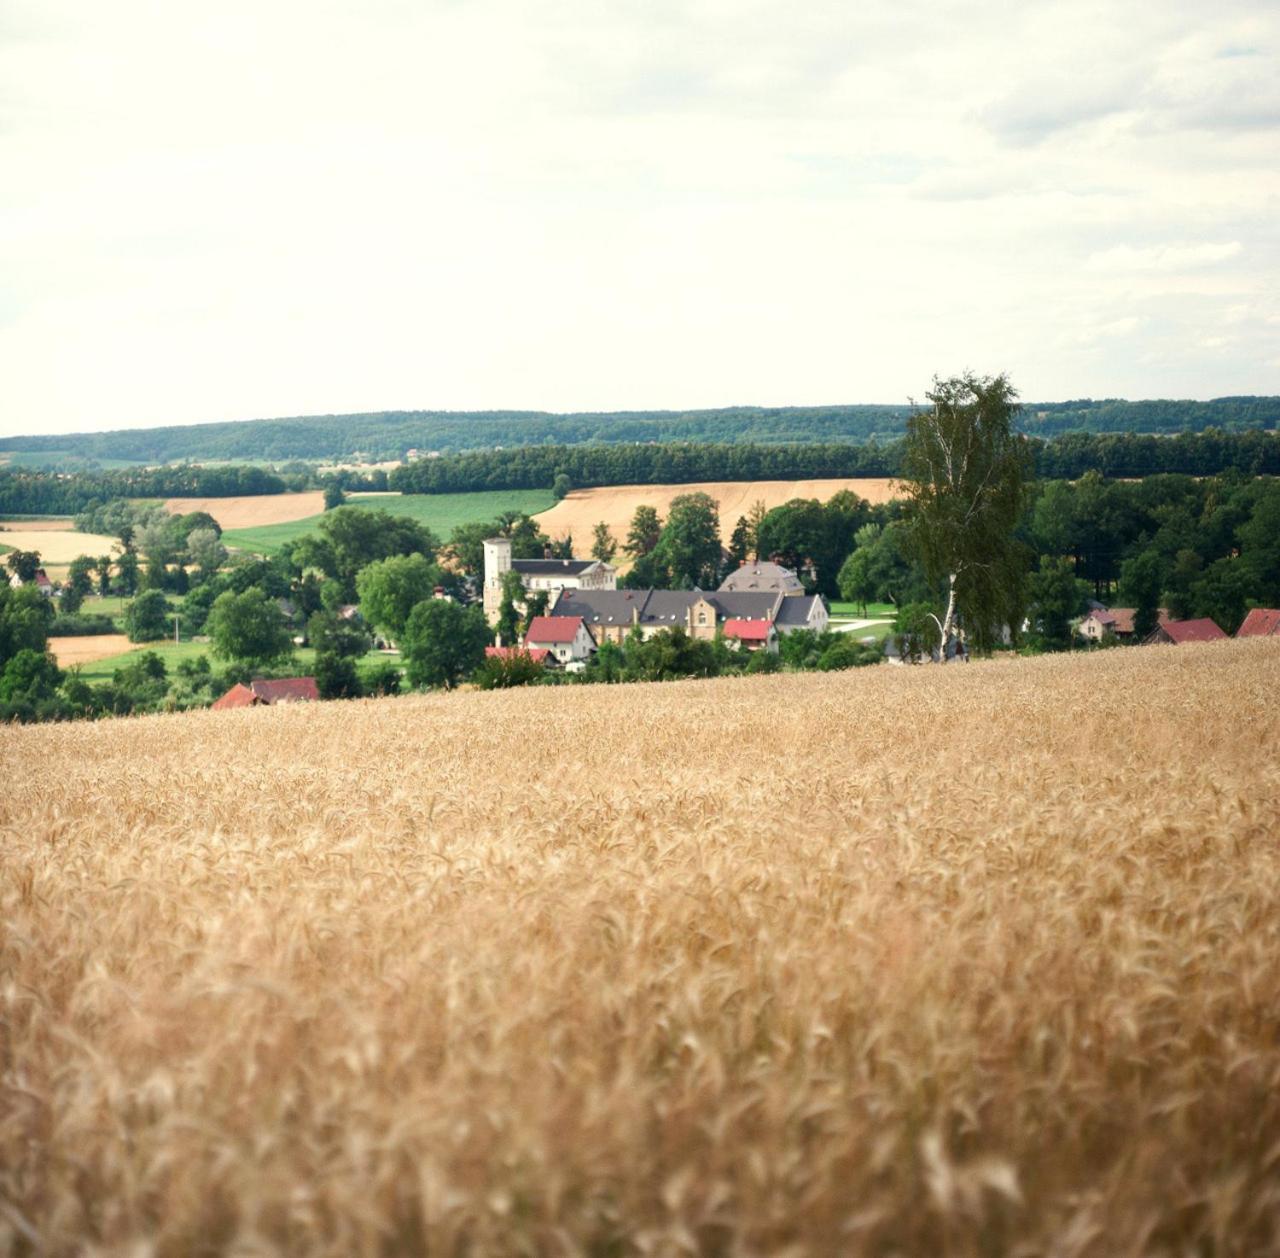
[238,210]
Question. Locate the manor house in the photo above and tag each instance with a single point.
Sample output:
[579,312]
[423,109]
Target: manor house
[536,575]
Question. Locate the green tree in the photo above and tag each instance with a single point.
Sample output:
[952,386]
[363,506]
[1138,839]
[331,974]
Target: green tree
[333,496]
[24,564]
[146,619]
[25,617]
[205,548]
[740,542]
[442,643]
[29,677]
[689,548]
[330,634]
[502,672]
[508,623]
[1187,566]
[645,531]
[603,544]
[965,475]
[337,677]
[248,628]
[103,566]
[1222,593]
[1056,597]
[561,487]
[390,589]
[127,573]
[1141,580]
[79,584]
[348,539]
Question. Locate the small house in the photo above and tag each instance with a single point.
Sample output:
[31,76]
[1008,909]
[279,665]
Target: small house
[751,635]
[259,692]
[1261,622]
[1178,632]
[566,639]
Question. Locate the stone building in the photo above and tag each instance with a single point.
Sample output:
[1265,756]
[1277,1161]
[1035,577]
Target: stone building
[539,575]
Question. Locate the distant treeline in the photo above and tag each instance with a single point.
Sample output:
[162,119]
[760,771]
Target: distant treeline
[537,467]
[387,435]
[25,492]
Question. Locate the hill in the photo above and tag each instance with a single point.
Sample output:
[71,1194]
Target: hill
[378,435]
[970,961]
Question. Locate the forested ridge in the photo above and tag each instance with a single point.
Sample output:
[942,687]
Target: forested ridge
[382,435]
[24,491]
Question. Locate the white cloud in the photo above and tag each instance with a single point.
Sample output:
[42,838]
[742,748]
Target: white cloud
[249,209]
[1164,258]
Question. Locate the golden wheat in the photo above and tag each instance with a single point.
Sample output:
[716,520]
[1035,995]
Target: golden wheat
[967,961]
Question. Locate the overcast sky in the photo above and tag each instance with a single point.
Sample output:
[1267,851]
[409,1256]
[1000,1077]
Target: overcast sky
[234,210]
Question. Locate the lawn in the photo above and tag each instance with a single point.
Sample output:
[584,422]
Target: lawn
[441,513]
[113,605]
[173,653]
[854,611]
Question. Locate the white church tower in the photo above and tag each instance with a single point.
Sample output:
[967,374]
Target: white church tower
[497,561]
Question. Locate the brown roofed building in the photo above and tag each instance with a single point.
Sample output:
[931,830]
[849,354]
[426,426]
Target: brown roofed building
[1177,632]
[1115,620]
[1261,622]
[259,692]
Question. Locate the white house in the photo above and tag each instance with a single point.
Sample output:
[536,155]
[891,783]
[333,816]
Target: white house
[540,575]
[565,638]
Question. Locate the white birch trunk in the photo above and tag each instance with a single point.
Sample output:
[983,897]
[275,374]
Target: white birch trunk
[948,621]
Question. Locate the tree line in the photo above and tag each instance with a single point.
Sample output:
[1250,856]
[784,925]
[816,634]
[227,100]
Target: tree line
[27,492]
[387,435]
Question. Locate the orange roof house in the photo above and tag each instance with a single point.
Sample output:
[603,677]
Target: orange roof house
[259,692]
[1262,622]
[1176,632]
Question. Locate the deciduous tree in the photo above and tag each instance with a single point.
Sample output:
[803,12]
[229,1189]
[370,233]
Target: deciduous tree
[965,474]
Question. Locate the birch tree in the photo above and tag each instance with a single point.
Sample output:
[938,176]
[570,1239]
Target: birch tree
[965,472]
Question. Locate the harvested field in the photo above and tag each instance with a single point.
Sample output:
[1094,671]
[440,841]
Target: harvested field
[616,504]
[56,541]
[86,649]
[253,510]
[960,961]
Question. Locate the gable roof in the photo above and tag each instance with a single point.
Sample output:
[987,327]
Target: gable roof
[1261,622]
[286,690]
[553,567]
[764,575]
[535,653]
[748,630]
[601,607]
[797,611]
[1202,630]
[239,696]
[553,629]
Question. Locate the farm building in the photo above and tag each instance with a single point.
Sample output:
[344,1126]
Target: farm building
[539,575]
[612,614]
[770,577]
[1176,632]
[259,692]
[1114,620]
[565,638]
[1261,622]
[40,581]
[751,635]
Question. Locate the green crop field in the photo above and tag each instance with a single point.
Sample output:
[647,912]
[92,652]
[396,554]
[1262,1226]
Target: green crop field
[441,513]
[173,654]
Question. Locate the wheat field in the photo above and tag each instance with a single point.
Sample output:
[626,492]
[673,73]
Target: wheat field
[967,961]
[578,513]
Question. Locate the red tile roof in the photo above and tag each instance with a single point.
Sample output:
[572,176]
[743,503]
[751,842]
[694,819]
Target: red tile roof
[1202,630]
[286,690]
[553,629]
[1262,622]
[536,653]
[238,696]
[747,630]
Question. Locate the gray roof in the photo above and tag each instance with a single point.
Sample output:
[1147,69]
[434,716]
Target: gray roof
[746,604]
[669,607]
[552,567]
[796,611]
[600,607]
[763,575]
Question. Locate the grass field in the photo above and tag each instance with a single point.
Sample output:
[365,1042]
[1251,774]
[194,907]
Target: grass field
[173,653]
[616,504]
[441,513]
[855,611]
[966,961]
